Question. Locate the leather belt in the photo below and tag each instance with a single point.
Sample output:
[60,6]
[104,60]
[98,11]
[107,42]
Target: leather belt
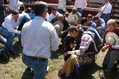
[36,58]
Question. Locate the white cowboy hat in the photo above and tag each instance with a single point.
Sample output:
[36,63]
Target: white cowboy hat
[72,18]
[112,38]
[58,26]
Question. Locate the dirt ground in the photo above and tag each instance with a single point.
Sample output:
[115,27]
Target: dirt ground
[53,75]
[95,71]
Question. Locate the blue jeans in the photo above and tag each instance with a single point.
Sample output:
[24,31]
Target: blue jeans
[3,40]
[9,36]
[39,67]
[105,17]
[110,58]
[80,11]
[101,33]
[2,16]
[61,11]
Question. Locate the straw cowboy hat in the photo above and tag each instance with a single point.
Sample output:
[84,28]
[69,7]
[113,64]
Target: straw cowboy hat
[72,18]
[112,38]
[58,27]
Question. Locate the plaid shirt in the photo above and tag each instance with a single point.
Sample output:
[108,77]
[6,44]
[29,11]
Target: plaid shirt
[85,42]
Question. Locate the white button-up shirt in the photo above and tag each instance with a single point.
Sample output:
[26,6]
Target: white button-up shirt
[10,23]
[80,4]
[15,4]
[108,8]
[39,37]
[62,5]
[51,16]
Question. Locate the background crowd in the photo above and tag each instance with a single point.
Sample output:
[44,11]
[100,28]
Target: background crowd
[39,32]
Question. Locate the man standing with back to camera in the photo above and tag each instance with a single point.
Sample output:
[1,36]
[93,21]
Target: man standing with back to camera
[39,37]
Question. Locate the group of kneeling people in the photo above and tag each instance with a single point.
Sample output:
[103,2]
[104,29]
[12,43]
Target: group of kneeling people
[82,46]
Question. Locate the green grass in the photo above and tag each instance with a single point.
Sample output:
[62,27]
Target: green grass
[15,69]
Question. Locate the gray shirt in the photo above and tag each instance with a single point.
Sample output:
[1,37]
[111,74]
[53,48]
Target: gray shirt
[101,24]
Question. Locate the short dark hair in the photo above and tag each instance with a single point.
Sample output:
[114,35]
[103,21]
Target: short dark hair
[74,10]
[89,16]
[72,28]
[15,12]
[39,8]
[53,8]
[83,20]
[96,18]
[29,10]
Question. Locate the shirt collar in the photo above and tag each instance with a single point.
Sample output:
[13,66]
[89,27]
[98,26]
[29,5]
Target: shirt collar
[12,18]
[39,17]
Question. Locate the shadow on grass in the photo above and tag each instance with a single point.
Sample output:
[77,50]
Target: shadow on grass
[94,69]
[3,61]
[113,74]
[57,53]
[28,74]
[18,49]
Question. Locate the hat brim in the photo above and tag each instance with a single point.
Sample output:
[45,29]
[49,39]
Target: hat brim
[60,24]
[112,34]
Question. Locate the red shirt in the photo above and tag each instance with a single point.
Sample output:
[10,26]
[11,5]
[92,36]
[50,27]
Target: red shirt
[113,47]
